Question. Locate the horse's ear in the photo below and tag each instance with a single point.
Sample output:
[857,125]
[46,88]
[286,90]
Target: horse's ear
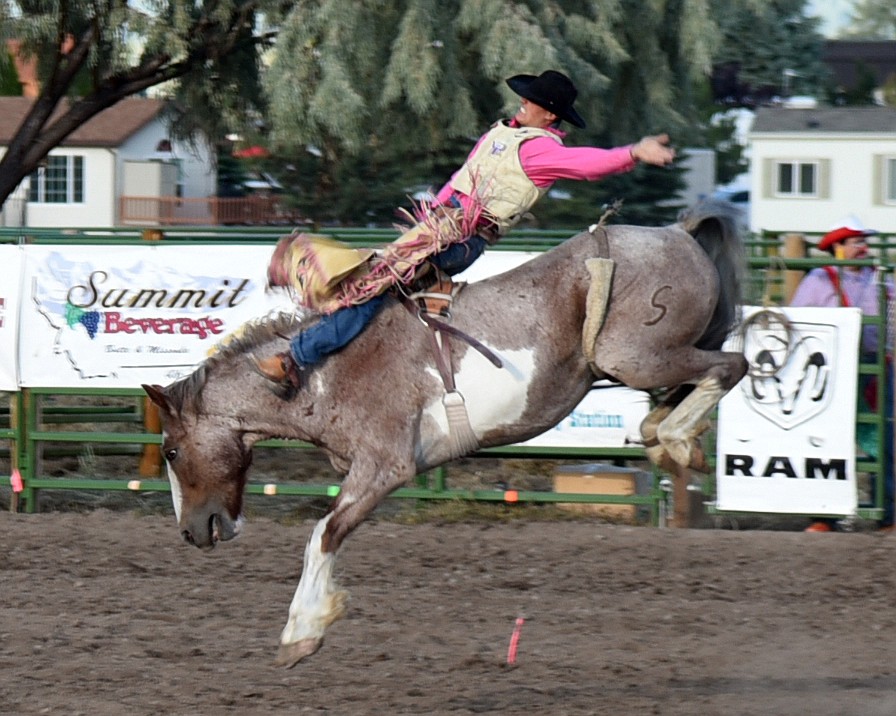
[156,394]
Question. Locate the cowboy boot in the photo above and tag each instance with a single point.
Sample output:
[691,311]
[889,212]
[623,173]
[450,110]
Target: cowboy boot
[280,368]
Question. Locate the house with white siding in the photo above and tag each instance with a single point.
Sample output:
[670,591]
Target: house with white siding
[811,166]
[125,150]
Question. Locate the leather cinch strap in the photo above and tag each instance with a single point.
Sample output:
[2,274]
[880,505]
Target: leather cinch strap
[440,348]
[463,440]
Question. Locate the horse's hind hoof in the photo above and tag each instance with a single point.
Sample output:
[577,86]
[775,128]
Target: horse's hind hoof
[658,455]
[698,461]
[289,655]
[695,459]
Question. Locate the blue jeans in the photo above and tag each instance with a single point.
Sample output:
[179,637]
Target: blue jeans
[459,257]
[337,329]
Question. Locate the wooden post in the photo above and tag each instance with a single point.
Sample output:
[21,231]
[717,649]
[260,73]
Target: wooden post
[682,514]
[152,234]
[151,461]
[794,248]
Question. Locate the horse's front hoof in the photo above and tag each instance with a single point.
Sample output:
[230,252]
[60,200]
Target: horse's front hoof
[289,655]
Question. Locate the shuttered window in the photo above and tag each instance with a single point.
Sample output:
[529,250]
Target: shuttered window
[890,180]
[797,178]
[59,181]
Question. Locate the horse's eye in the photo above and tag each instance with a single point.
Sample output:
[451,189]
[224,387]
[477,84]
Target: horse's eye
[170,454]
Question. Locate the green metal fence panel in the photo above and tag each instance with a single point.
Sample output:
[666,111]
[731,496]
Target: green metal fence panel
[520,240]
[9,434]
[34,437]
[28,427]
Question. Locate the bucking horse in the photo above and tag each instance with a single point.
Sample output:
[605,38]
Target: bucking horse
[649,308]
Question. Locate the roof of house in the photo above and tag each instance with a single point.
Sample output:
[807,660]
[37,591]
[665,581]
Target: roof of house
[110,128]
[825,120]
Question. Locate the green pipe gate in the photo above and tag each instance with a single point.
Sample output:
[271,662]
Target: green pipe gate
[33,426]
[36,426]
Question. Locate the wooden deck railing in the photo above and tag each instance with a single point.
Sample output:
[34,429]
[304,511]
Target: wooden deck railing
[172,211]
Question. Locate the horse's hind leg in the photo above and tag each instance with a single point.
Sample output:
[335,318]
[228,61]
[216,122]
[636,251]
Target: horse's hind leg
[318,602]
[678,433]
[651,423]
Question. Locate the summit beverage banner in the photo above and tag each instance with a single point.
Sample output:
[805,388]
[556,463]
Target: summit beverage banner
[119,316]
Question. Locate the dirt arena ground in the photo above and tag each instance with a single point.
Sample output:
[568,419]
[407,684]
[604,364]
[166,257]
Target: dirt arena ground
[108,613]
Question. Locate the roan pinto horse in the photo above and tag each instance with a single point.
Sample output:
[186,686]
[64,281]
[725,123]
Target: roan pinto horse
[377,409]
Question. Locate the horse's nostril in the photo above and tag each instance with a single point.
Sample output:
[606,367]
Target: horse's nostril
[188,537]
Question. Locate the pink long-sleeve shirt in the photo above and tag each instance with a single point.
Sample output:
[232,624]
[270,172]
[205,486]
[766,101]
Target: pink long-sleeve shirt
[545,161]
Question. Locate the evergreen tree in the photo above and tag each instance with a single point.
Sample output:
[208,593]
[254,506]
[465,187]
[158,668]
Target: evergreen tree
[396,92]
[646,196]
[231,174]
[768,49]
[721,136]
[715,127]
[872,20]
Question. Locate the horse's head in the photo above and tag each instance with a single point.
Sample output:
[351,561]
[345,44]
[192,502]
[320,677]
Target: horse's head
[207,460]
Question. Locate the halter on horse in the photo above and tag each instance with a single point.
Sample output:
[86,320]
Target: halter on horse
[376,407]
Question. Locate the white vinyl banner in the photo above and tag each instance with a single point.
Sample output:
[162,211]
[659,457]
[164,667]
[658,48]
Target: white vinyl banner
[119,316]
[608,417]
[786,432]
[491,263]
[10,278]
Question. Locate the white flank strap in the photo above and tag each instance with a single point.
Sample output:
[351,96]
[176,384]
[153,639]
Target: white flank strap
[460,433]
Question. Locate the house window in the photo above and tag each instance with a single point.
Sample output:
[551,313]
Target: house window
[797,179]
[61,181]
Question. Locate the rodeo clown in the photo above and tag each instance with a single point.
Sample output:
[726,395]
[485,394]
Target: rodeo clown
[838,285]
[510,168]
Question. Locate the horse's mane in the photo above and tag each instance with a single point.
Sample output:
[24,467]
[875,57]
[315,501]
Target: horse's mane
[248,337]
[253,334]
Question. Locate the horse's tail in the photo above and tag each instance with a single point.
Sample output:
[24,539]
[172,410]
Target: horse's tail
[713,223]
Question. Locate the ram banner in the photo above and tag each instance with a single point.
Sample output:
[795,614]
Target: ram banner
[786,432]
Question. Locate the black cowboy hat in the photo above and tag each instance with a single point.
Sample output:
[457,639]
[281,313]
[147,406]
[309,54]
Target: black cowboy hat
[552,90]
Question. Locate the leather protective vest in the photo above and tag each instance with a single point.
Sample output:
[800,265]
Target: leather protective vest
[494,175]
